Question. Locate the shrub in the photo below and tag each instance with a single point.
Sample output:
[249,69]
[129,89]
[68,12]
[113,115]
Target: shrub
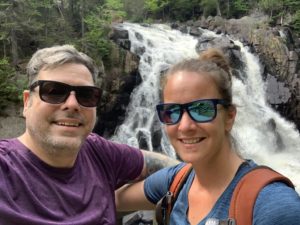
[10,87]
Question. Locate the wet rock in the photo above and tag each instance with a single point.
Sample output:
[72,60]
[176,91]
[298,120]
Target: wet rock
[139,218]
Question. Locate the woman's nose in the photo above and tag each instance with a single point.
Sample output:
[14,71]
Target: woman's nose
[186,122]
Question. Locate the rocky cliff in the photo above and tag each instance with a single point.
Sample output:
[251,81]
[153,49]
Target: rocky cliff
[117,82]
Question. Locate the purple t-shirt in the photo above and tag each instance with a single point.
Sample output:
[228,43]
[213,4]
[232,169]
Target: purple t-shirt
[34,193]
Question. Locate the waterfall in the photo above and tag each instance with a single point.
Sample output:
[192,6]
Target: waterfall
[259,131]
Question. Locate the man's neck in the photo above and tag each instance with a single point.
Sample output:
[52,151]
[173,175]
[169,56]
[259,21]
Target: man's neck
[61,159]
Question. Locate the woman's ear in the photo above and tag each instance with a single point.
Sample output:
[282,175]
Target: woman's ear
[231,113]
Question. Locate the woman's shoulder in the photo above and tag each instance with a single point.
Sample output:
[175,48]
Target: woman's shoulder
[157,184]
[277,204]
[170,171]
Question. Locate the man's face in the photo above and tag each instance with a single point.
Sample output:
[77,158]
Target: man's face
[59,128]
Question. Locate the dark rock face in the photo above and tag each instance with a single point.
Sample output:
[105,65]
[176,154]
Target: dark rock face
[231,51]
[120,37]
[118,81]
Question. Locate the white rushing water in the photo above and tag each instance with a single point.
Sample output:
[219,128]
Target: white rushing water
[260,132]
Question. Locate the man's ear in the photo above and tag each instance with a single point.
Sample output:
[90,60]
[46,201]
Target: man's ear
[26,99]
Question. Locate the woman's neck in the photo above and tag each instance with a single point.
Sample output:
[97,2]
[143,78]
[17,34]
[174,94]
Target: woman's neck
[218,172]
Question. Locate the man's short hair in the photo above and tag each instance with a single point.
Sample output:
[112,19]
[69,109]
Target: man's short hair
[55,56]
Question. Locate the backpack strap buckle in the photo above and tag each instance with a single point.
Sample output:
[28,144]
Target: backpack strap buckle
[227,222]
[213,221]
[163,209]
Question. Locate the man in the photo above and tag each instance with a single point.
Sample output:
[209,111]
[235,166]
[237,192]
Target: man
[58,172]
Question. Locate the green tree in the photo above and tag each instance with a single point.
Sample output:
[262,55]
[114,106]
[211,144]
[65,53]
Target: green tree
[210,7]
[9,90]
[151,6]
[11,25]
[29,24]
[54,19]
[183,10]
[135,10]
[278,10]
[158,9]
[239,8]
[269,6]
[113,10]
[296,22]
[95,39]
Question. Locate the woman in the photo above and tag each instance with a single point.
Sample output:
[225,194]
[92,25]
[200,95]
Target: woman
[198,114]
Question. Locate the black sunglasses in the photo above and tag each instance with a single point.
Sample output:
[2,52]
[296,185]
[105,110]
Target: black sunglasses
[201,111]
[55,92]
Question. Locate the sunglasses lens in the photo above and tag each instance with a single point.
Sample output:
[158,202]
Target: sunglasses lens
[88,96]
[56,92]
[53,92]
[169,114]
[202,111]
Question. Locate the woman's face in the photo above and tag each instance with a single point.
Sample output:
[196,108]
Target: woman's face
[193,141]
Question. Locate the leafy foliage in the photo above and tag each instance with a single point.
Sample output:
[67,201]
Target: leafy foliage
[98,20]
[152,6]
[209,7]
[279,9]
[135,10]
[183,10]
[296,21]
[240,8]
[10,90]
[94,41]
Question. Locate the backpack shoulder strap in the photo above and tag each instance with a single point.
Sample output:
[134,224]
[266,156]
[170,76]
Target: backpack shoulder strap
[165,205]
[247,190]
[179,180]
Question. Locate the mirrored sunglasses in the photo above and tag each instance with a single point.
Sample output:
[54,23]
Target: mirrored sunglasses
[201,111]
[55,92]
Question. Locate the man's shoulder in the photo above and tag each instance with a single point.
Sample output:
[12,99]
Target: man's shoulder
[6,145]
[96,140]
[98,145]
